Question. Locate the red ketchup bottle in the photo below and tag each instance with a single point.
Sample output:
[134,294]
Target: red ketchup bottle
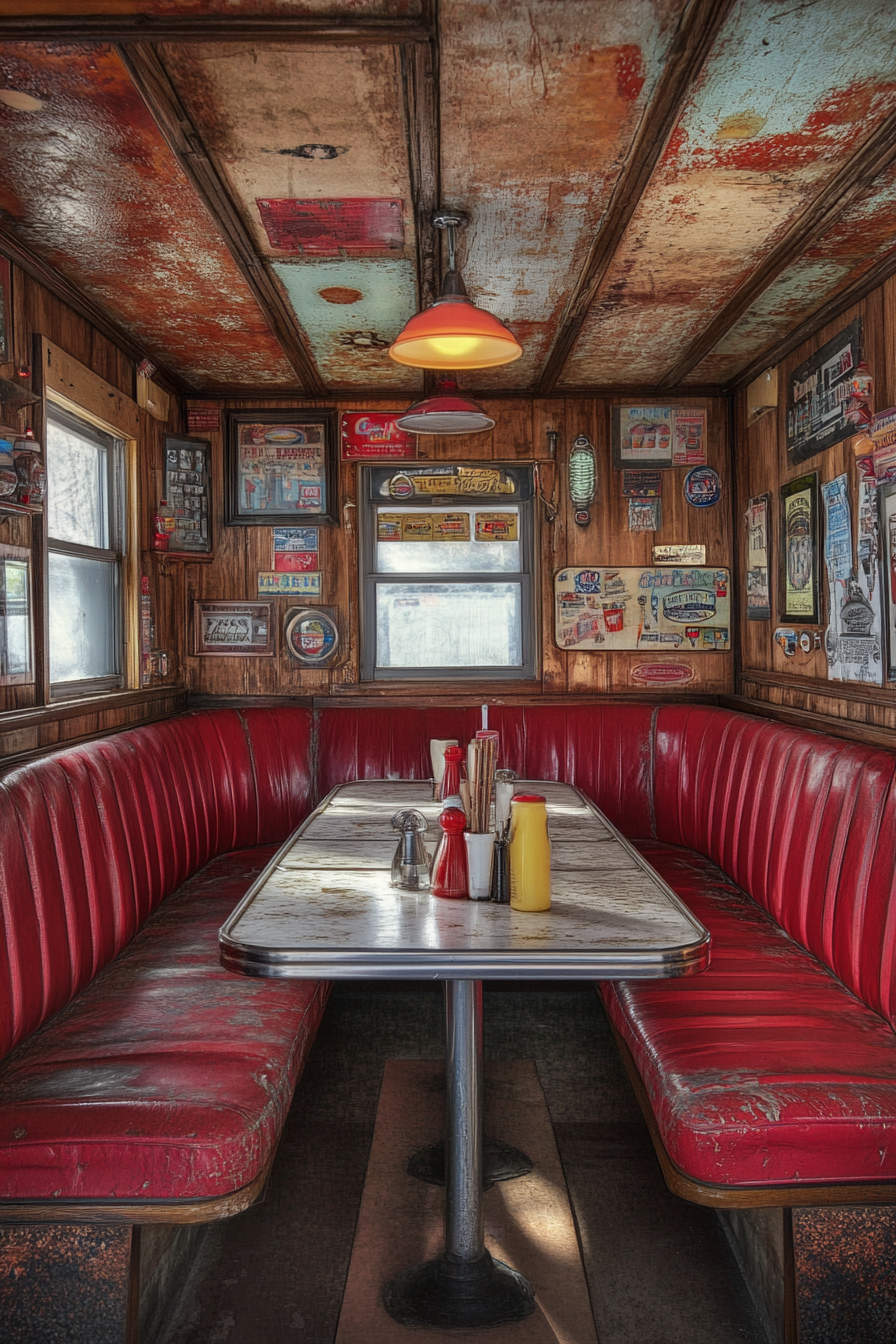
[449,869]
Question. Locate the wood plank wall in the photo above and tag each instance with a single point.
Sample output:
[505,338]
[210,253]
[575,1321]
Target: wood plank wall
[26,725]
[797,688]
[519,434]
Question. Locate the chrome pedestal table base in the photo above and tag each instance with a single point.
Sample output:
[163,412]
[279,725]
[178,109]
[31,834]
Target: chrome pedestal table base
[464,1287]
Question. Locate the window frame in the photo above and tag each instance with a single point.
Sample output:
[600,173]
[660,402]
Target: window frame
[370,578]
[121,551]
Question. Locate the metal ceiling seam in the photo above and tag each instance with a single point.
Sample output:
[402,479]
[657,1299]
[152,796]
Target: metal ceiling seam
[697,31]
[855,177]
[152,82]
[127,28]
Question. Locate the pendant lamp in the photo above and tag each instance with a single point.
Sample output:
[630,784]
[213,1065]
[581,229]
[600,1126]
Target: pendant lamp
[445,413]
[453,333]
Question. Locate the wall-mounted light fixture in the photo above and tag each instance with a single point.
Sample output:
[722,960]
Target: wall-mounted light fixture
[582,479]
[453,333]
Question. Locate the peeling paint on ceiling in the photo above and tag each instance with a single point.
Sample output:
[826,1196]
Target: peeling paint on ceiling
[804,85]
[91,186]
[349,339]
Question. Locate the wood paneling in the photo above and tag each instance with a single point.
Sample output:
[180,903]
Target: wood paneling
[799,685]
[519,435]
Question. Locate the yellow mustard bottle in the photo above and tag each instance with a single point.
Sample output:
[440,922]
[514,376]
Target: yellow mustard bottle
[530,853]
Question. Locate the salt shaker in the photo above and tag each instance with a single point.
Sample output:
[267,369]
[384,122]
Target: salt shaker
[410,866]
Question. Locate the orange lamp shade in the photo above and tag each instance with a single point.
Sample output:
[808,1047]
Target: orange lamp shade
[454,334]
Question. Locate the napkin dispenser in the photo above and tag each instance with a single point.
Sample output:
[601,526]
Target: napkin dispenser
[411,864]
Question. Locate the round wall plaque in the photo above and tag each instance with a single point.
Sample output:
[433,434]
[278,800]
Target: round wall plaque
[311,635]
[702,487]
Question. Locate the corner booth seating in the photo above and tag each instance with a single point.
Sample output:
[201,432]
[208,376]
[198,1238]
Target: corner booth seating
[144,1086]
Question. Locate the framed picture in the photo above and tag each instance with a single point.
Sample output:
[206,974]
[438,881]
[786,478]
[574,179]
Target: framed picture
[280,468]
[5,312]
[311,635]
[187,488]
[817,398]
[234,629]
[799,551]
[16,643]
[658,436]
[758,521]
[887,496]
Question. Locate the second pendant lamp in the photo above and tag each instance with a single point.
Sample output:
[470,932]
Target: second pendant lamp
[452,333]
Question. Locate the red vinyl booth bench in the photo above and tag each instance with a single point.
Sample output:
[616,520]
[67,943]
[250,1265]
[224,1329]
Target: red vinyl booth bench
[144,1085]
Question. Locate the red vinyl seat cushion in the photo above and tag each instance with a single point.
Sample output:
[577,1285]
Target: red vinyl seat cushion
[764,1069]
[167,1077]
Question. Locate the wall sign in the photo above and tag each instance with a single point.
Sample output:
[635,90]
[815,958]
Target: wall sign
[203,419]
[679,555]
[703,487]
[374,436]
[278,584]
[758,595]
[631,608]
[661,436]
[448,480]
[311,635]
[295,549]
[799,550]
[280,467]
[582,473]
[233,629]
[818,395]
[662,674]
[888,566]
[883,437]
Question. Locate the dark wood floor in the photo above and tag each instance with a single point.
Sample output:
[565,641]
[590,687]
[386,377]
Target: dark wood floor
[659,1270]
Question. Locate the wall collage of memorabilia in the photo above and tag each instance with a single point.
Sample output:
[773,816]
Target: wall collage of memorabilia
[846,589]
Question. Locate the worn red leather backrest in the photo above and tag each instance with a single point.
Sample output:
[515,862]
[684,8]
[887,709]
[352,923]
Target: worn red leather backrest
[602,748]
[93,838]
[801,821]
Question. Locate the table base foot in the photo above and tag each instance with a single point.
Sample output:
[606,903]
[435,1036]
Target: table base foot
[450,1294]
[500,1162]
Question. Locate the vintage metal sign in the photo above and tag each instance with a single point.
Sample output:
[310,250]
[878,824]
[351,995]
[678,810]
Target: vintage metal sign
[278,584]
[679,555]
[369,436]
[661,436]
[630,608]
[662,674]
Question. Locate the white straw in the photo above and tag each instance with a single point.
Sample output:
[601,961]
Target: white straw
[485,718]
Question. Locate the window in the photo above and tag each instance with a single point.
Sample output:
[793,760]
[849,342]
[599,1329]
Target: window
[447,558]
[85,553]
[15,616]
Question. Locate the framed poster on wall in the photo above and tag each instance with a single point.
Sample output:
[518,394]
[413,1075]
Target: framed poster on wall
[758,519]
[800,601]
[887,496]
[818,395]
[187,489]
[280,468]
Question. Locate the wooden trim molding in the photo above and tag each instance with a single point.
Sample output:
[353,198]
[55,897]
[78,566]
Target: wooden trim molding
[689,49]
[851,730]
[308,29]
[73,386]
[160,1211]
[744,1196]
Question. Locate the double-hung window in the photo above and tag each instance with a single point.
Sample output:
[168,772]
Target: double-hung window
[85,555]
[447,558]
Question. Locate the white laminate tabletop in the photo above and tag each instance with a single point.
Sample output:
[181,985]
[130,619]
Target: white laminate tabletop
[324,907]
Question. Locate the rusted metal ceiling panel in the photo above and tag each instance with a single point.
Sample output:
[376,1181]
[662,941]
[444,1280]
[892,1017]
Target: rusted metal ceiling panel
[786,96]
[89,184]
[313,146]
[352,310]
[862,237]
[539,105]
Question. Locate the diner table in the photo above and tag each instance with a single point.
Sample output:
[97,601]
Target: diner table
[324,908]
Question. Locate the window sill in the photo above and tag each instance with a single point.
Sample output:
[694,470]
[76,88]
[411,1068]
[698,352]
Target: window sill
[102,702]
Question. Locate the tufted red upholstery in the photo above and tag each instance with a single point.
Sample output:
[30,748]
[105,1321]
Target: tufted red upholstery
[603,748]
[798,821]
[777,1065]
[167,1077]
[164,1076]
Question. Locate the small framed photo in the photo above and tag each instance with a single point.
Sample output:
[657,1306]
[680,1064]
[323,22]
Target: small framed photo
[5,312]
[311,635]
[758,521]
[187,489]
[887,497]
[234,629]
[280,468]
[800,597]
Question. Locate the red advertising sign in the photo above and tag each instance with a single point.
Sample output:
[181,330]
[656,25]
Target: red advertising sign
[295,562]
[200,419]
[374,436]
[662,674]
[366,226]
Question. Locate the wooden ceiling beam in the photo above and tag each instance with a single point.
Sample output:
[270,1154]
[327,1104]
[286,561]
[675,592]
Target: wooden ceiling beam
[63,289]
[852,294]
[690,47]
[307,29]
[154,86]
[420,83]
[852,182]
